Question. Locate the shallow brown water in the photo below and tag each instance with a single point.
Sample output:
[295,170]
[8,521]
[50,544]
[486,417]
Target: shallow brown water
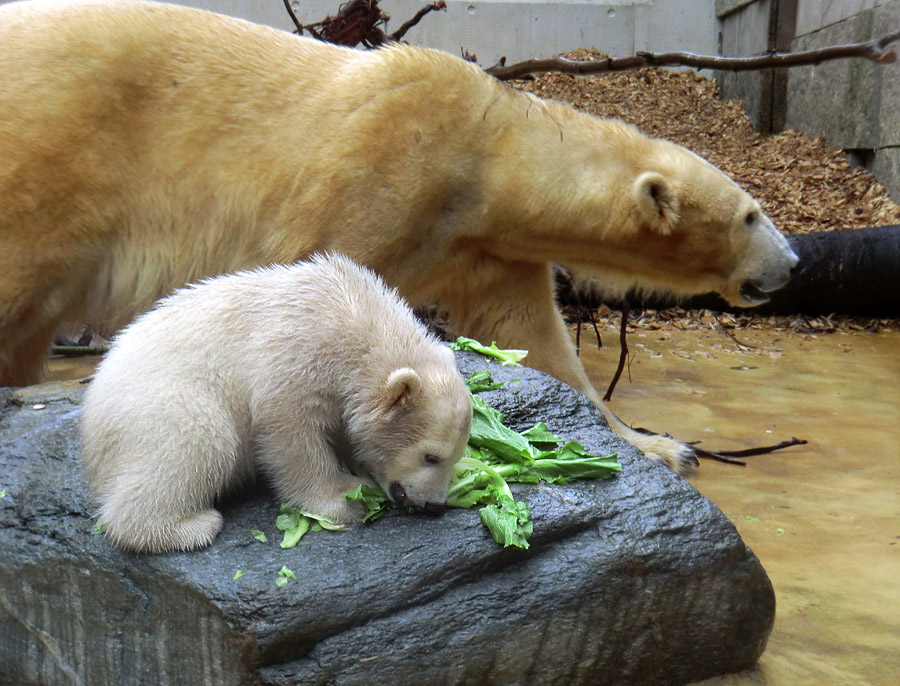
[824,519]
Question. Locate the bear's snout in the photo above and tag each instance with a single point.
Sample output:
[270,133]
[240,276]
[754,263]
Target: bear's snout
[399,495]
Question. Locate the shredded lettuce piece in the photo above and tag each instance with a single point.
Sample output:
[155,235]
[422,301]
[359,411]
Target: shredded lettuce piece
[373,497]
[483,381]
[509,522]
[294,525]
[283,575]
[509,358]
[323,522]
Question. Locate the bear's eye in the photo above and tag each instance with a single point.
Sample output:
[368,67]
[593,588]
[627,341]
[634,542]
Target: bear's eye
[751,218]
[431,458]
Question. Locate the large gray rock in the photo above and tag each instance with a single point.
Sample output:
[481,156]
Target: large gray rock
[635,580]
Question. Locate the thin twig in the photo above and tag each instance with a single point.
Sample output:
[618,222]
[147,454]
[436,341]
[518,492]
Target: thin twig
[729,456]
[871,50]
[417,17]
[762,450]
[731,335]
[623,353]
[287,6]
[590,312]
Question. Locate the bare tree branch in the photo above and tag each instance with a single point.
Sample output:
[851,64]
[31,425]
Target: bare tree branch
[359,21]
[872,50]
[290,11]
[434,7]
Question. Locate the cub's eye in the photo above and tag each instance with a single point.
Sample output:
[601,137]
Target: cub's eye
[431,458]
[751,218]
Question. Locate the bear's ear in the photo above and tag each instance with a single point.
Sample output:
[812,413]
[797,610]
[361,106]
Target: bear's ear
[402,384]
[656,202]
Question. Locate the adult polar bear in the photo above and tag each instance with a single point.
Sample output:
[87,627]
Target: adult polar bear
[143,146]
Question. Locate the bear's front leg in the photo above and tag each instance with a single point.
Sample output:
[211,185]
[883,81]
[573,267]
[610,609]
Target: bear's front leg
[307,474]
[516,308]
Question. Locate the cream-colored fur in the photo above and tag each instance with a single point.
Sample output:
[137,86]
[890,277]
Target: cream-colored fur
[281,368]
[143,146]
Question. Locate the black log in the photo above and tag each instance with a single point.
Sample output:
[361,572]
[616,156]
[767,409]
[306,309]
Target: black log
[852,272]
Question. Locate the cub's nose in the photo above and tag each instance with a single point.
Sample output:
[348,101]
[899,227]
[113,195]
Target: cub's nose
[434,509]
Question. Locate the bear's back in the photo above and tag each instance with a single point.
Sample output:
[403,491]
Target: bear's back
[311,324]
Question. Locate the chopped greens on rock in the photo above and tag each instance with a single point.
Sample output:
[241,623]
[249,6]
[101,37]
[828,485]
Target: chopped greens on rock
[283,575]
[495,457]
[295,523]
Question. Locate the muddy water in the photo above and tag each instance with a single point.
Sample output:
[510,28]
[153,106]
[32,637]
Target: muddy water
[824,519]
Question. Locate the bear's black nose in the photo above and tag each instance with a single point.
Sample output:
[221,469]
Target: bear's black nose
[434,509]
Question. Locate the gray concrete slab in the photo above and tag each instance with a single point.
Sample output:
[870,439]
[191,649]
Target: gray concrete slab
[853,103]
[520,29]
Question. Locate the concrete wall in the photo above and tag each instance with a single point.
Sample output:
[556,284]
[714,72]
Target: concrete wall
[520,29]
[853,103]
[745,30]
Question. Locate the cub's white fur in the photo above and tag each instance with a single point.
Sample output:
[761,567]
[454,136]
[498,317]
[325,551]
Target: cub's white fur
[277,368]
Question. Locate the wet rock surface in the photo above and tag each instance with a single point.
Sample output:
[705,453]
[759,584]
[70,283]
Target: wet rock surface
[635,580]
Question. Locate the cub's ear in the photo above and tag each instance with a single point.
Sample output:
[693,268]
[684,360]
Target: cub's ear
[402,384]
[656,202]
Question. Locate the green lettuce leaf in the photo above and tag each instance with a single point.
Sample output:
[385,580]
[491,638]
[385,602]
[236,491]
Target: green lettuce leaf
[541,438]
[374,498]
[283,575]
[489,431]
[293,523]
[509,522]
[510,358]
[483,381]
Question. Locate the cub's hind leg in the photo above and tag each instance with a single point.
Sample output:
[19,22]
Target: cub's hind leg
[139,526]
[156,495]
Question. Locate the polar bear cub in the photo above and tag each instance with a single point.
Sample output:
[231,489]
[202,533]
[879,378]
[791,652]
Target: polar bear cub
[299,371]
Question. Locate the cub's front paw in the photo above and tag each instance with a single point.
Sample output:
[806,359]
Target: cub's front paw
[338,510]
